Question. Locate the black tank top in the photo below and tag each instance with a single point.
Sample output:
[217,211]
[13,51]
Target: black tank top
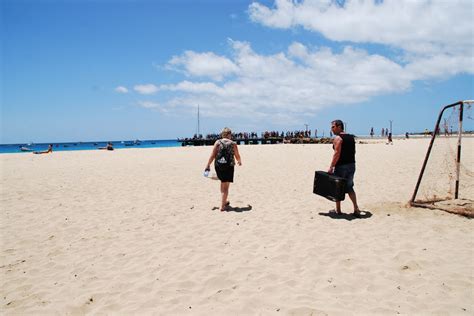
[347,150]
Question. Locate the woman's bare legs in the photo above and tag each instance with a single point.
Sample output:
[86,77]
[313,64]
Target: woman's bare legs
[224,194]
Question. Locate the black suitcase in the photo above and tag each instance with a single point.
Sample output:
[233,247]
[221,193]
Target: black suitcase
[329,186]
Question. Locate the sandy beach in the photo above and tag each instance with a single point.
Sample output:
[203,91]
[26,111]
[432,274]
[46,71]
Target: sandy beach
[135,232]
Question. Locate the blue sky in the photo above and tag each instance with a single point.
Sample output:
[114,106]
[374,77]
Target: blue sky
[112,70]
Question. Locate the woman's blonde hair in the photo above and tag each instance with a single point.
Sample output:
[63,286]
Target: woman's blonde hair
[226,132]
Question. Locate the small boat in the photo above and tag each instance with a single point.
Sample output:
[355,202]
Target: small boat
[137,142]
[22,148]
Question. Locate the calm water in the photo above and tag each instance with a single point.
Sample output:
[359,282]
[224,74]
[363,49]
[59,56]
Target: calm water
[15,148]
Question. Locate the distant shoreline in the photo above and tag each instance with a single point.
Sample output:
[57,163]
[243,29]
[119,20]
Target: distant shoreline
[466,133]
[93,145]
[80,146]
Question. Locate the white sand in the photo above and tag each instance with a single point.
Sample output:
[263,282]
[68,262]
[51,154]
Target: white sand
[133,232]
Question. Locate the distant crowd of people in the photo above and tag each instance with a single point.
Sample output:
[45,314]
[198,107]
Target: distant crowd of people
[385,132]
[265,135]
[288,134]
[241,135]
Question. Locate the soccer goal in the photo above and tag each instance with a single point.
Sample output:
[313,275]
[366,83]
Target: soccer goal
[444,176]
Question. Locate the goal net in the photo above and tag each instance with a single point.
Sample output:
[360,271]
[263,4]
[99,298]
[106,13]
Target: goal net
[446,180]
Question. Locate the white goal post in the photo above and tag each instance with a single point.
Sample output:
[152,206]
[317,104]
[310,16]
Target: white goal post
[413,201]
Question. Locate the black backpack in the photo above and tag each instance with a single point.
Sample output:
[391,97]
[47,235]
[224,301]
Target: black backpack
[224,155]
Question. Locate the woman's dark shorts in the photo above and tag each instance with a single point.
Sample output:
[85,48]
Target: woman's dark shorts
[347,171]
[225,174]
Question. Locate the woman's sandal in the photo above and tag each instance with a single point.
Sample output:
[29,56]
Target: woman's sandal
[357,214]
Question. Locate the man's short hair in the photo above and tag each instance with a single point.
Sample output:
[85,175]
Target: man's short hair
[338,123]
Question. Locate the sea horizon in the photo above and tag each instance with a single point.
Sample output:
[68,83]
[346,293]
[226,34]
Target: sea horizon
[151,143]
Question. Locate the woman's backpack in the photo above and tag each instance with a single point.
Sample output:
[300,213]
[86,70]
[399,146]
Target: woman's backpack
[225,154]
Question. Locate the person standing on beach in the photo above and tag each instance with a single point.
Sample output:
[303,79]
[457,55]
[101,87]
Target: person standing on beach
[223,155]
[343,162]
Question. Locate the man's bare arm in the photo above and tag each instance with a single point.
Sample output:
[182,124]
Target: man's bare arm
[337,153]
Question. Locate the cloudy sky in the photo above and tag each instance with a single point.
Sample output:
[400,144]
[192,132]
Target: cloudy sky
[111,70]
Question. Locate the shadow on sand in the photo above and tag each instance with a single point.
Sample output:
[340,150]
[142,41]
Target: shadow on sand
[235,208]
[347,216]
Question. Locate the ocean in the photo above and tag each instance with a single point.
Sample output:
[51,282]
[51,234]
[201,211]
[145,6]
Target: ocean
[16,148]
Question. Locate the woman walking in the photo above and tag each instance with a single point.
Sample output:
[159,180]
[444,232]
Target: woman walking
[223,155]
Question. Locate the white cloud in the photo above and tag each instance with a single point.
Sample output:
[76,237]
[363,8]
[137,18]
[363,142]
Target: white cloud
[417,26]
[146,88]
[294,82]
[192,87]
[203,65]
[148,104]
[434,39]
[121,89]
[152,105]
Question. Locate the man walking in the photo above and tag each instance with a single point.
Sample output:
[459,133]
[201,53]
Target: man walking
[343,162]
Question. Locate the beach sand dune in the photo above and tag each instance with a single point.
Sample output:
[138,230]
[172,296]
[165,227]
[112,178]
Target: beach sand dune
[134,232]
